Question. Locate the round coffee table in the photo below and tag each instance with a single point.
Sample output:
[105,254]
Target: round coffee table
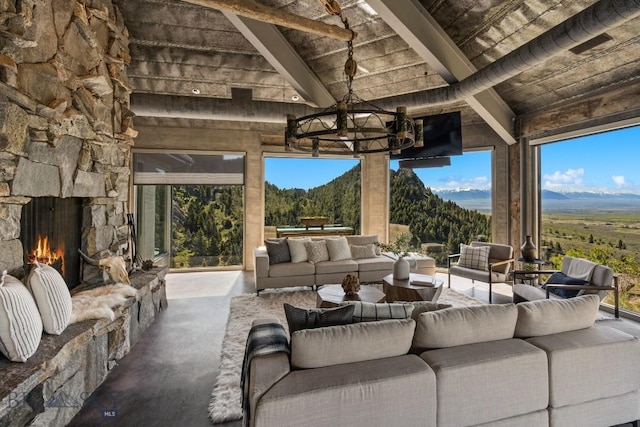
[332,295]
[418,287]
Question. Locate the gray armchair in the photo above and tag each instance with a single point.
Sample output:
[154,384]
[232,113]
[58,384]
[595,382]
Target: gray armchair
[496,269]
[599,281]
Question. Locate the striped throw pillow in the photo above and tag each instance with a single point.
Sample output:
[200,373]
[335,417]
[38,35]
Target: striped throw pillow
[20,323]
[370,312]
[52,298]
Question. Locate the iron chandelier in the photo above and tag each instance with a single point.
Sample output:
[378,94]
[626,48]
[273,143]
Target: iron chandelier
[352,126]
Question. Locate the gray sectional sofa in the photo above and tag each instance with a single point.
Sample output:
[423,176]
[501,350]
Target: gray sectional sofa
[305,273]
[539,363]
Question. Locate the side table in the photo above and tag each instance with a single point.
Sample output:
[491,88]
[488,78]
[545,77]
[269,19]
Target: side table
[410,290]
[523,274]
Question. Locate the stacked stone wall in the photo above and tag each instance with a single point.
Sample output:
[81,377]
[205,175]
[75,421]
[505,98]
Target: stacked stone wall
[65,123]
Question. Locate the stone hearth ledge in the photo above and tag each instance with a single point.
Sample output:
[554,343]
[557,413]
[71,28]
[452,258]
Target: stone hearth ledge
[52,385]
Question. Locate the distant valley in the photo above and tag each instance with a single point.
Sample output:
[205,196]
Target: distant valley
[552,201]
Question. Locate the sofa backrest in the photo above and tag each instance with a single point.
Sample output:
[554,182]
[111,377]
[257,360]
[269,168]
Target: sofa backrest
[357,342]
[464,325]
[553,316]
[498,252]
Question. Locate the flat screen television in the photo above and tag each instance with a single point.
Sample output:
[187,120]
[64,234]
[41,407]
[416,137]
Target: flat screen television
[442,137]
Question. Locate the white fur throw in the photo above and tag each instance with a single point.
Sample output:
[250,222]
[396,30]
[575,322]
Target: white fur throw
[98,303]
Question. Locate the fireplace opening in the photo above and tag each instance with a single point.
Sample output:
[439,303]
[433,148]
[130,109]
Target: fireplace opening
[51,233]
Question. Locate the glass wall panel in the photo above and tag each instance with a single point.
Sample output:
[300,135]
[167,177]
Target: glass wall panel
[590,204]
[303,189]
[441,207]
[191,207]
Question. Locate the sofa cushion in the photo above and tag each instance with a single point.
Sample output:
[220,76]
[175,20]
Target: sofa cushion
[335,345]
[469,378]
[52,297]
[370,393]
[364,239]
[297,249]
[278,250]
[553,316]
[370,312]
[476,258]
[363,251]
[302,318]
[20,322]
[559,278]
[375,264]
[338,248]
[329,267]
[465,325]
[590,364]
[290,269]
[317,250]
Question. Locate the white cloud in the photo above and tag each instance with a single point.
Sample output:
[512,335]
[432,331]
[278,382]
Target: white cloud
[571,179]
[619,181]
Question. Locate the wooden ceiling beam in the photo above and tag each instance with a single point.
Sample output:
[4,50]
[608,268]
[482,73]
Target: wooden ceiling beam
[260,12]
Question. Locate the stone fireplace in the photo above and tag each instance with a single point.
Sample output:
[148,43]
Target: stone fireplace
[65,124]
[65,148]
[51,234]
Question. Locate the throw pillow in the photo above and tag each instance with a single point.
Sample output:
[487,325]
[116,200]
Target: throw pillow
[559,278]
[363,251]
[302,318]
[338,248]
[426,306]
[371,312]
[278,250]
[20,323]
[52,297]
[475,257]
[297,250]
[317,251]
[365,239]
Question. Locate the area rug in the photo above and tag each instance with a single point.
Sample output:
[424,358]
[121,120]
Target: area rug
[226,396]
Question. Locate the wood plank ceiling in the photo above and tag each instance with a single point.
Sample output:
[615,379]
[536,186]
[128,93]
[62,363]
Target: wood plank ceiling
[403,49]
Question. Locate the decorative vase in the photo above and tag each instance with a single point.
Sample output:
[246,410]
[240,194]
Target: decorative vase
[401,269]
[529,250]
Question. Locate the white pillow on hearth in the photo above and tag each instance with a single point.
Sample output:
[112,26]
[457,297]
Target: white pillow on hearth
[52,297]
[20,323]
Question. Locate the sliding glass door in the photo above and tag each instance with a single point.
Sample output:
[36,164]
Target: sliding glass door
[189,209]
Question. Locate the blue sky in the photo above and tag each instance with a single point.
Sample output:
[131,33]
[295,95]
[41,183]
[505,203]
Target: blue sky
[608,162]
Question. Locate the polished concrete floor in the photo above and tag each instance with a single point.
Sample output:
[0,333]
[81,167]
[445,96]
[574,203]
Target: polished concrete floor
[167,378]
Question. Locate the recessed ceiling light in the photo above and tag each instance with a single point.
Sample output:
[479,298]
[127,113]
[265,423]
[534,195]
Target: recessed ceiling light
[195,91]
[295,98]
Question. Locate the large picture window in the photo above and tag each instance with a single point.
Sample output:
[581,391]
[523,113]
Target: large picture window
[189,208]
[441,207]
[590,204]
[296,188]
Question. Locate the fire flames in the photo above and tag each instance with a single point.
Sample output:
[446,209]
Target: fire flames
[44,254]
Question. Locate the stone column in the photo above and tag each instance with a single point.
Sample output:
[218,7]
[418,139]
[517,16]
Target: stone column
[375,195]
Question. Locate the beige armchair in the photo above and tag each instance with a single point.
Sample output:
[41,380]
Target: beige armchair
[596,279]
[472,263]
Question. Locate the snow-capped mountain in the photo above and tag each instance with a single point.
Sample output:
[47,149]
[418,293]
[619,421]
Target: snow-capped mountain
[551,200]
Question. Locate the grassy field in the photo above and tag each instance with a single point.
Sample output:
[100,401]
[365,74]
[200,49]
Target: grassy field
[611,238]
